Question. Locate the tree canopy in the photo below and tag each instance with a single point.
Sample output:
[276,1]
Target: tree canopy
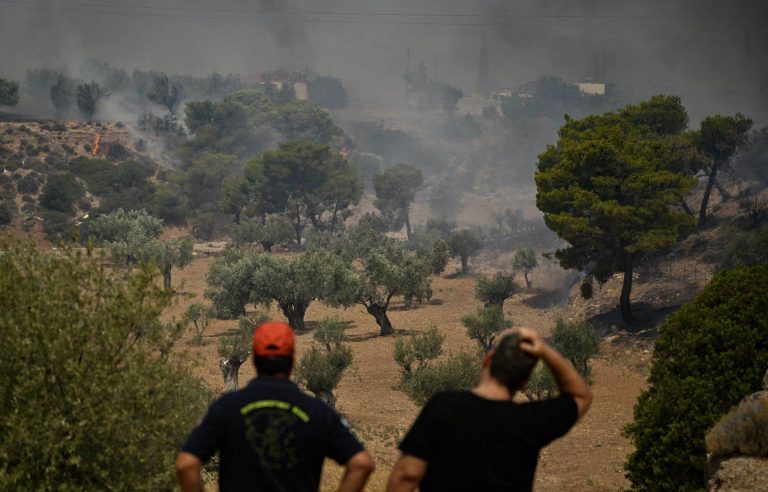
[84,365]
[306,181]
[608,188]
[9,92]
[395,190]
[244,277]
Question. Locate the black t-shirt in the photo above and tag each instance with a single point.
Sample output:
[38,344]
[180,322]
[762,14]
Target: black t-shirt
[472,443]
[271,437]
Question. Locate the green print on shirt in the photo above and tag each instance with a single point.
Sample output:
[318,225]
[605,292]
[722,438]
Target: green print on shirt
[270,432]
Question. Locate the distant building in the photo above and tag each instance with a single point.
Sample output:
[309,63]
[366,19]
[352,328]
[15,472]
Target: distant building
[591,88]
[300,88]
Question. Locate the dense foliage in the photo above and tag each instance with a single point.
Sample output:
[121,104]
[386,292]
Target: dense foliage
[90,400]
[610,188]
[709,355]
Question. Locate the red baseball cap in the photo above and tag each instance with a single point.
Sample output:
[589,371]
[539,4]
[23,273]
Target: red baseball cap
[273,339]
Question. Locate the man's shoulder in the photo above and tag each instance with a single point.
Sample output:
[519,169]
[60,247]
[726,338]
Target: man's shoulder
[450,397]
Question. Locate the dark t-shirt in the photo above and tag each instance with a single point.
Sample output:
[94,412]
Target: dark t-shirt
[271,437]
[472,443]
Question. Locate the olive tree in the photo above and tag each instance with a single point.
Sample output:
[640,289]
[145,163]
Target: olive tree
[320,369]
[200,315]
[525,261]
[485,325]
[267,231]
[390,270]
[464,244]
[235,347]
[132,237]
[245,277]
[493,291]
[88,97]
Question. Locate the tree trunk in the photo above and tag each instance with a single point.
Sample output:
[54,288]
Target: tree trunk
[327,397]
[705,198]
[527,282]
[626,290]
[464,264]
[380,314]
[167,278]
[407,224]
[686,208]
[230,368]
[298,225]
[295,313]
[723,192]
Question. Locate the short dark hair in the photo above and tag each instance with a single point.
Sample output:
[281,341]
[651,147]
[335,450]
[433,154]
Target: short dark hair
[271,365]
[510,365]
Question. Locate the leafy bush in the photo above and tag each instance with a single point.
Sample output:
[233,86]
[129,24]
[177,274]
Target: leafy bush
[485,325]
[57,225]
[744,430]
[61,191]
[541,384]
[418,350]
[457,372]
[321,368]
[7,211]
[88,402]
[746,248]
[577,342]
[199,315]
[709,354]
[29,183]
[493,291]
[124,185]
[423,375]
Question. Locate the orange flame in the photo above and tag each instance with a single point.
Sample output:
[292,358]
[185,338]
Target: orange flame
[96,145]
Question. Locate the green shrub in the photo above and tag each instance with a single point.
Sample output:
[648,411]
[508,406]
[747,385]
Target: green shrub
[541,383]
[57,225]
[61,191]
[709,354]
[746,248]
[458,372]
[418,349]
[8,210]
[577,342]
[88,402]
[484,326]
[200,316]
[493,291]
[321,368]
[744,430]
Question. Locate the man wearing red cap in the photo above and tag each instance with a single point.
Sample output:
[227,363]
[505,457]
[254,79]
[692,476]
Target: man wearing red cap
[270,435]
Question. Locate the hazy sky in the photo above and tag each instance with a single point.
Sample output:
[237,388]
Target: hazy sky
[712,52]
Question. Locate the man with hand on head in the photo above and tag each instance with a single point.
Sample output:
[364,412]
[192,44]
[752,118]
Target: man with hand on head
[480,439]
[271,436]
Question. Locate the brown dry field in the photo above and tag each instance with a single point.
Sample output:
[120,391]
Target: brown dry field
[590,457]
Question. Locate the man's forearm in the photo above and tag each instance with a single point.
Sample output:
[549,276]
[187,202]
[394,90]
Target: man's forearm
[354,480]
[189,470]
[568,380]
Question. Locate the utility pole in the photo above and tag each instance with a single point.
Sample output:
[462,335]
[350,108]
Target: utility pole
[407,72]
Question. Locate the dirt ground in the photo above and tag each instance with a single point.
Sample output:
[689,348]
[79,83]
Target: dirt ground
[589,458]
